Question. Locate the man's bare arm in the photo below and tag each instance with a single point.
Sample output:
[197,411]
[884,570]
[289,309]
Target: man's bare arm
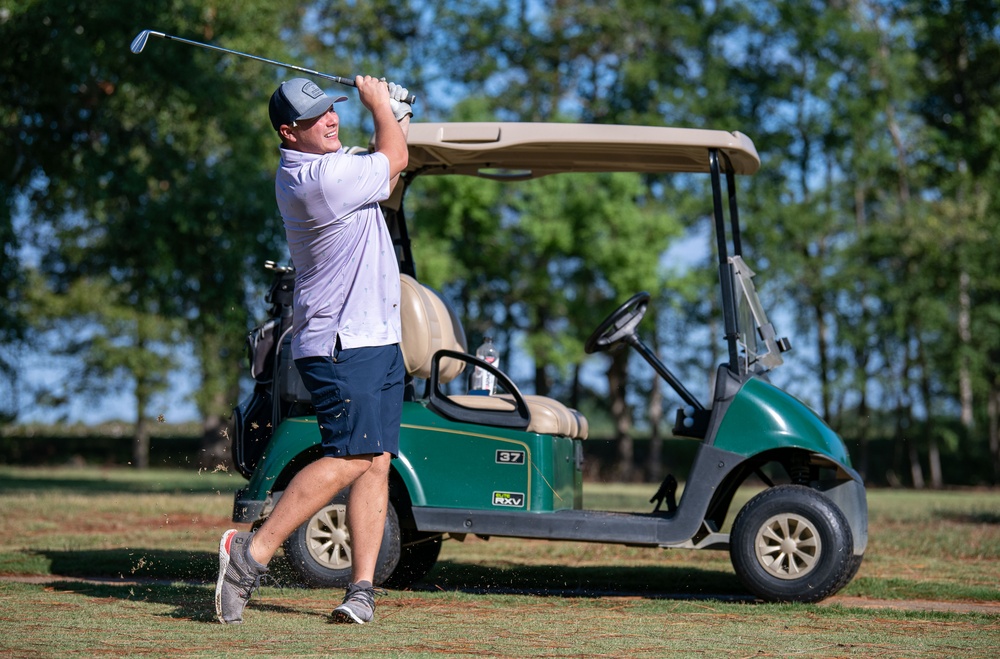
[389,138]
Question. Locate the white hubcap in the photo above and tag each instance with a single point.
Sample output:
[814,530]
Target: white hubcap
[328,539]
[788,546]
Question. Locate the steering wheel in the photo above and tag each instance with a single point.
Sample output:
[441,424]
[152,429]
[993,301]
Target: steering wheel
[619,325]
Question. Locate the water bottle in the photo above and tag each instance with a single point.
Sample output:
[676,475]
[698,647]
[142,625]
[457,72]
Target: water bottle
[484,383]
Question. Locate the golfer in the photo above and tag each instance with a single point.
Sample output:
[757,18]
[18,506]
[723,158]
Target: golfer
[345,335]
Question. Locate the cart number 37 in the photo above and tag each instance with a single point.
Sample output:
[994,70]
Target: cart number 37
[510,457]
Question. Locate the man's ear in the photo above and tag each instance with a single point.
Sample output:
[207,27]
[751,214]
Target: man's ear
[286,134]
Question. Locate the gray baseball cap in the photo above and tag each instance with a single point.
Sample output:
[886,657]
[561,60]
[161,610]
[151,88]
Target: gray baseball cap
[296,99]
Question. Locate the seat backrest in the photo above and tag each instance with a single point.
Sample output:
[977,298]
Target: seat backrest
[429,324]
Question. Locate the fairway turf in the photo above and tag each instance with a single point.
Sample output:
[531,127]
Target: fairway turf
[74,618]
[118,563]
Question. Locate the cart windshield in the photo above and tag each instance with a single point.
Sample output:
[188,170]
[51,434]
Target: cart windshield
[759,350]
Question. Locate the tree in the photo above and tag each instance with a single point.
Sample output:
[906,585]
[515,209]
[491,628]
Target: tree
[152,171]
[116,344]
[874,212]
[959,47]
[590,248]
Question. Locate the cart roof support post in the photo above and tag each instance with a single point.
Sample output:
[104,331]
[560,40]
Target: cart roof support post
[725,269]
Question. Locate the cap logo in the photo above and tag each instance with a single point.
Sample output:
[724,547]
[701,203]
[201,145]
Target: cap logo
[312,90]
[297,99]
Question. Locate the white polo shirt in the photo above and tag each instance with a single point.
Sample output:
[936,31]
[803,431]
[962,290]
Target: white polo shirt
[346,274]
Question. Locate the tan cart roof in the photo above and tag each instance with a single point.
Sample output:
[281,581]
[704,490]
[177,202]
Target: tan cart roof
[524,150]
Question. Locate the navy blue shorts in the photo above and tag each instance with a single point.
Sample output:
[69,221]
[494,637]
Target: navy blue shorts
[358,396]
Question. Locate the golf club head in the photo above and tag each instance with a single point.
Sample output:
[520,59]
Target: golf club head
[140,40]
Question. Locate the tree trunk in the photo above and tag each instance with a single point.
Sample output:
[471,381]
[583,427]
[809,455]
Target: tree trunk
[896,465]
[965,339]
[934,462]
[140,443]
[541,380]
[993,412]
[543,383]
[654,464]
[862,355]
[622,415]
[916,471]
[912,452]
[574,397]
[904,422]
[824,360]
[929,434]
[215,444]
[143,393]
[218,395]
[864,423]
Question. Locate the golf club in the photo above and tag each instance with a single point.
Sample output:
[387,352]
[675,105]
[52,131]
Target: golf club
[140,42]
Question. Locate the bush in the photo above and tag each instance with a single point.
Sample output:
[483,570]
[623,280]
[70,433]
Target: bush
[107,444]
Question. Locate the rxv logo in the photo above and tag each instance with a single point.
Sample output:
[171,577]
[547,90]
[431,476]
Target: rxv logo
[510,457]
[510,499]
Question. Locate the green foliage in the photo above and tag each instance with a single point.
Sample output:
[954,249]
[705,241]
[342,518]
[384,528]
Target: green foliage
[151,173]
[383,39]
[543,258]
[116,342]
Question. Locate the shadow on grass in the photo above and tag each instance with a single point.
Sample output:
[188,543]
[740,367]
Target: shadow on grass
[145,566]
[134,564]
[981,517]
[149,575]
[190,602]
[184,484]
[589,581]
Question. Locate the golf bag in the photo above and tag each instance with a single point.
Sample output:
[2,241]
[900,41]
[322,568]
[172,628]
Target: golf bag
[278,391]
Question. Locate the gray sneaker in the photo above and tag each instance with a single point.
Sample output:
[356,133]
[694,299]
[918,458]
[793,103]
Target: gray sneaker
[359,604]
[239,575]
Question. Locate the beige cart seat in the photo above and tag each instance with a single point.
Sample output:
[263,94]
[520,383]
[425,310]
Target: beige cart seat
[429,325]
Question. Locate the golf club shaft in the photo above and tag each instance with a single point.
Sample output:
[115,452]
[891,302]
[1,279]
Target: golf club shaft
[140,42]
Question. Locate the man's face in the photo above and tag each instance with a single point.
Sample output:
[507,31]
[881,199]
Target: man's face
[320,135]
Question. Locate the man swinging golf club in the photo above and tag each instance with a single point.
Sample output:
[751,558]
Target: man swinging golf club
[345,335]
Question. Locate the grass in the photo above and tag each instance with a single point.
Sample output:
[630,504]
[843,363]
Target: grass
[116,563]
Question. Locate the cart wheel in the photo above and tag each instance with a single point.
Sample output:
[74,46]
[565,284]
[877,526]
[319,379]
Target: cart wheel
[852,570]
[792,544]
[418,554]
[320,550]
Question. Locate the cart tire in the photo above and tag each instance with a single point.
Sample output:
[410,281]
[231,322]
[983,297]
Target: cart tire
[852,571]
[792,544]
[418,554]
[320,550]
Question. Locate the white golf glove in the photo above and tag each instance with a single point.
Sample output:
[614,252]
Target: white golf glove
[400,109]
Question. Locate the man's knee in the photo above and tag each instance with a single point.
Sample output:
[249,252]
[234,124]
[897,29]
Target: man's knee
[378,470]
[351,466]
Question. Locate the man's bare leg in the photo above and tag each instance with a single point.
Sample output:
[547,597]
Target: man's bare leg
[311,489]
[366,510]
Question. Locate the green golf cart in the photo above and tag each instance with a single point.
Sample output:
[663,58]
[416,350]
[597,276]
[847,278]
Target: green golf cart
[511,464]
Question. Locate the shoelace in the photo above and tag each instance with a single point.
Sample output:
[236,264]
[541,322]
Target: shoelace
[244,582]
[365,595]
[271,580]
